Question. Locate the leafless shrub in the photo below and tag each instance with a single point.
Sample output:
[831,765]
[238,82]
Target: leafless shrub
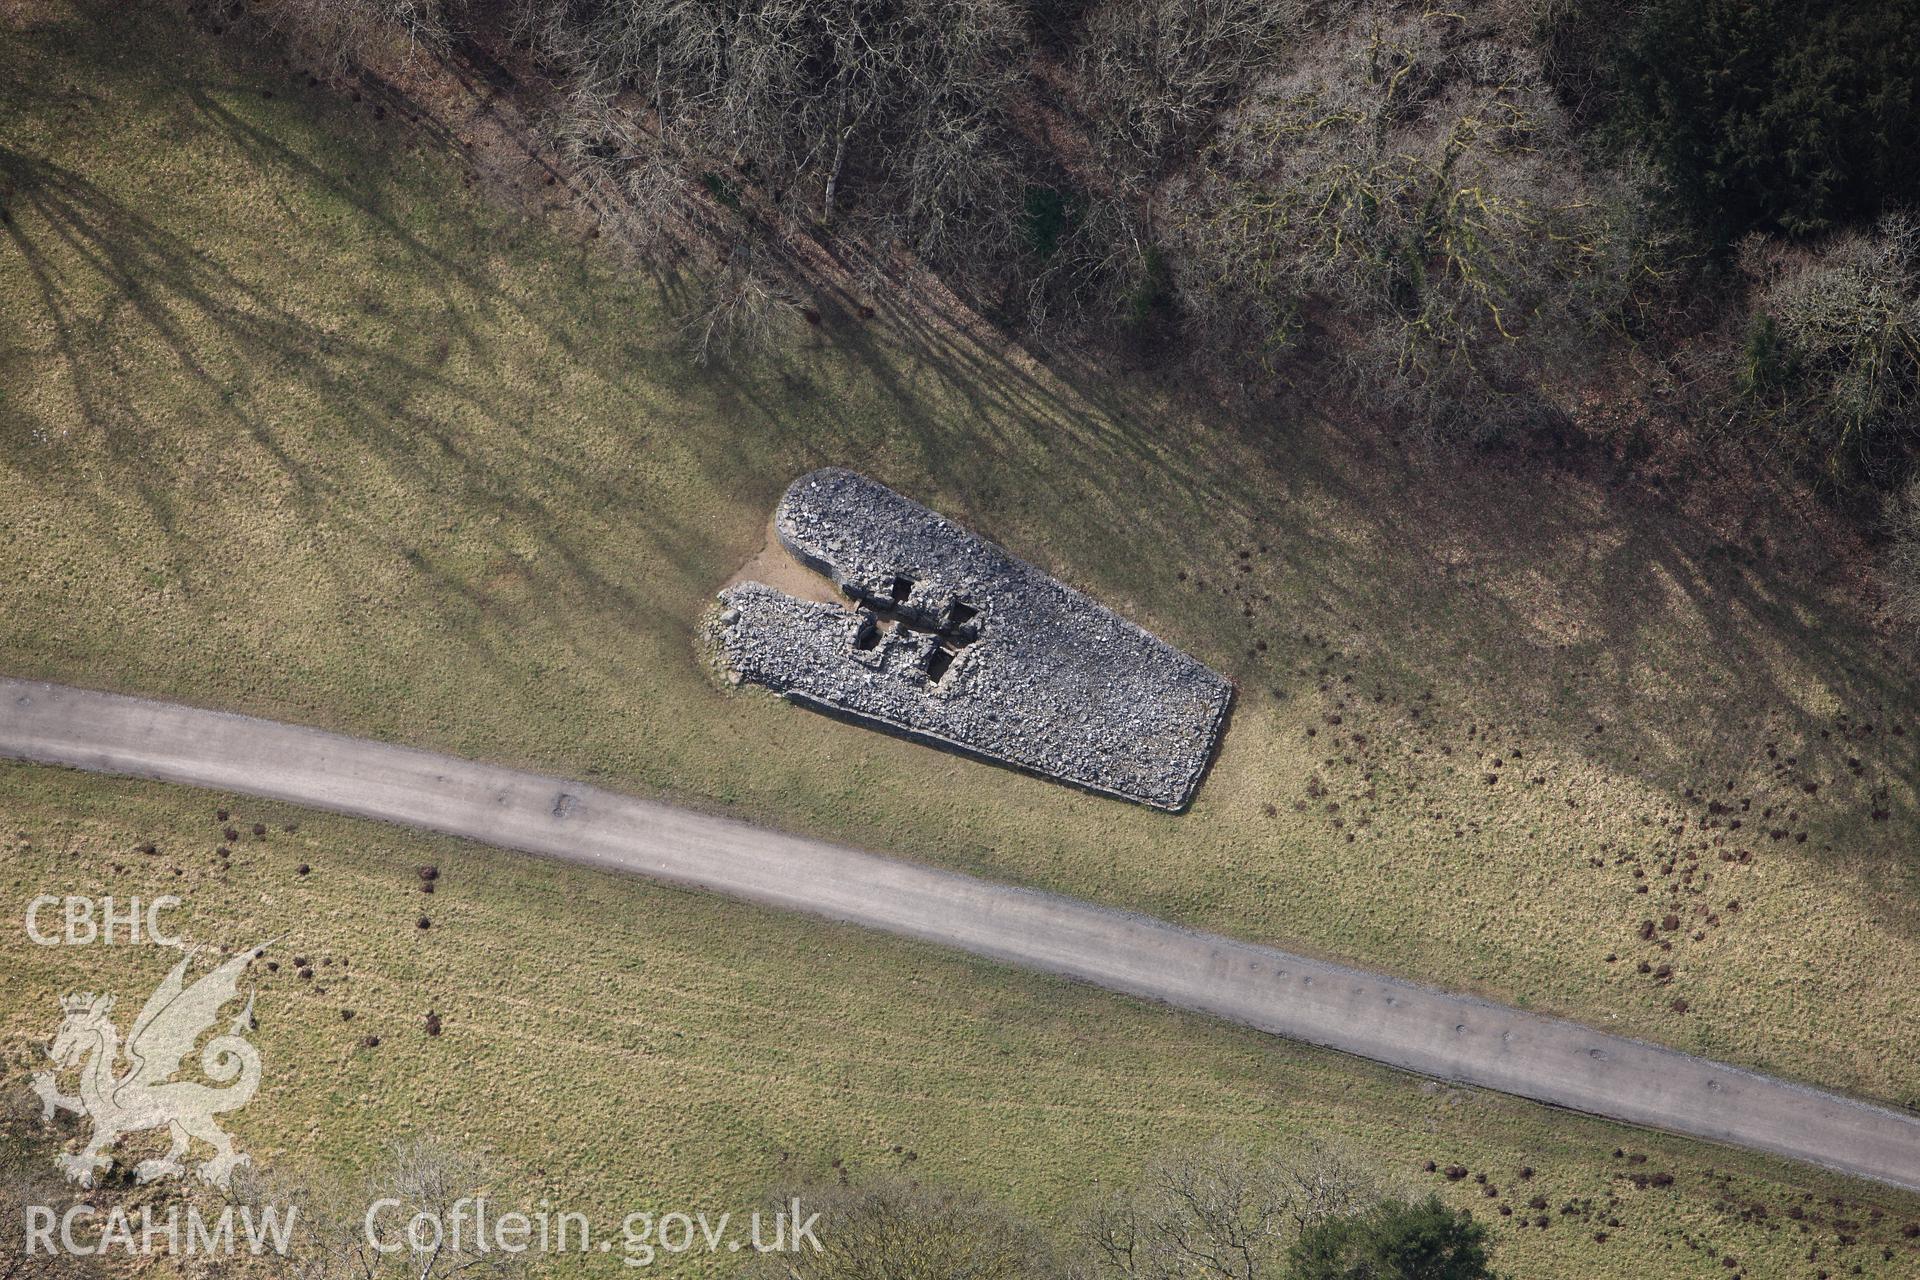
[1101,268]
[636,186]
[21,1195]
[337,33]
[1578,43]
[893,1229]
[1901,570]
[743,311]
[945,176]
[1149,77]
[33,1195]
[1833,347]
[329,1236]
[1219,1213]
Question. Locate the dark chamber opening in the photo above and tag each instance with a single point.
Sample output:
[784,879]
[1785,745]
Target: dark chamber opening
[937,663]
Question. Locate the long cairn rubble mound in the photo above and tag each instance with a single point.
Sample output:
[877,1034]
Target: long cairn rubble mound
[951,641]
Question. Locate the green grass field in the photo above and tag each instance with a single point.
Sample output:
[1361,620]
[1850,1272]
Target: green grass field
[617,1046]
[291,422]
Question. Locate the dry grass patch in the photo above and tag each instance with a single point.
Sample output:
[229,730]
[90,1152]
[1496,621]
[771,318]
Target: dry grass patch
[617,1046]
[297,426]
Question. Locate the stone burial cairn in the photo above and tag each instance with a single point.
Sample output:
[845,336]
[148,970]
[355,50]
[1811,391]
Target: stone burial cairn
[949,640]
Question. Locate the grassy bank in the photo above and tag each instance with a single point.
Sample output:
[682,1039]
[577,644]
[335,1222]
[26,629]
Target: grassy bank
[296,423]
[617,1046]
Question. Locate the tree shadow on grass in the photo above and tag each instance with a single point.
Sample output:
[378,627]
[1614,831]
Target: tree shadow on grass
[1523,593]
[1533,593]
[130,305]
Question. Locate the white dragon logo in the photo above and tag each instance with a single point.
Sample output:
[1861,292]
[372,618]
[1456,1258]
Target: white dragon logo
[145,1095]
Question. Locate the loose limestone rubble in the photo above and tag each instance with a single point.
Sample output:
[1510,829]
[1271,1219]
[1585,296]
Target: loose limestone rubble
[954,642]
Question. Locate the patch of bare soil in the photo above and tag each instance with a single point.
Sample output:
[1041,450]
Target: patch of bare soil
[775,566]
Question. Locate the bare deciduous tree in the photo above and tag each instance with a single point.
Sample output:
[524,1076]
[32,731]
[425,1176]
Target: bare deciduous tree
[893,1229]
[1153,73]
[890,110]
[29,1188]
[1219,1213]
[21,1193]
[330,1237]
[1410,187]
[1833,347]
